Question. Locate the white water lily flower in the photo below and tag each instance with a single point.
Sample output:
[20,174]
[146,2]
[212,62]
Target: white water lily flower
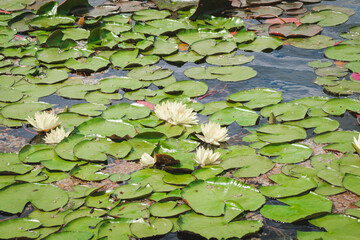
[205,156]
[44,121]
[356,144]
[146,160]
[213,133]
[176,113]
[55,136]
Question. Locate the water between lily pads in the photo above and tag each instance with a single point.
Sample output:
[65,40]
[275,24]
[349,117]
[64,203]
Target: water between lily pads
[285,70]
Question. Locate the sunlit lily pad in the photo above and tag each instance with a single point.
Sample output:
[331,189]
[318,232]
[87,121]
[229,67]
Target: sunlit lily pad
[19,228]
[133,210]
[298,208]
[339,140]
[321,124]
[77,91]
[288,153]
[216,227]
[232,73]
[182,57]
[289,186]
[212,107]
[89,64]
[160,26]
[187,87]
[127,58]
[336,226]
[261,43]
[338,106]
[8,94]
[105,127]
[190,36]
[87,109]
[315,105]
[155,226]
[54,55]
[168,209]
[351,183]
[43,196]
[49,22]
[285,111]
[277,133]
[212,203]
[249,166]
[98,97]
[148,73]
[10,163]
[23,110]
[89,172]
[331,71]
[257,97]
[118,228]
[345,52]
[316,42]
[242,115]
[110,85]
[229,59]
[325,18]
[211,47]
[126,111]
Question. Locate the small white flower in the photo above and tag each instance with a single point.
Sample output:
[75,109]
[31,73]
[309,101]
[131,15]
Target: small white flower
[356,144]
[146,160]
[44,121]
[176,113]
[55,136]
[213,133]
[205,156]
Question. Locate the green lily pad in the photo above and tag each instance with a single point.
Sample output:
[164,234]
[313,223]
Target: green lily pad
[164,46]
[285,111]
[9,5]
[217,227]
[140,94]
[21,111]
[346,10]
[316,42]
[232,73]
[50,22]
[132,191]
[98,149]
[249,166]
[339,140]
[71,120]
[149,73]
[140,146]
[43,196]
[339,106]
[89,172]
[152,177]
[98,97]
[89,64]
[183,57]
[8,94]
[213,107]
[187,87]
[354,66]
[325,18]
[256,98]
[19,227]
[150,14]
[160,26]
[126,111]
[332,71]
[346,52]
[351,183]
[190,36]
[168,209]
[211,47]
[212,203]
[77,91]
[101,200]
[10,163]
[131,58]
[229,59]
[88,109]
[319,64]
[33,176]
[49,219]
[116,229]
[288,153]
[289,186]
[103,127]
[153,227]
[337,227]
[261,43]
[321,124]
[242,115]
[298,208]
[110,85]
[344,88]
[314,103]
[278,133]
[132,210]
[199,73]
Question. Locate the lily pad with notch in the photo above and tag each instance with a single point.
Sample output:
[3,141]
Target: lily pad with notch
[285,111]
[242,115]
[278,133]
[187,87]
[298,208]
[321,124]
[286,152]
[211,47]
[256,98]
[131,58]
[229,59]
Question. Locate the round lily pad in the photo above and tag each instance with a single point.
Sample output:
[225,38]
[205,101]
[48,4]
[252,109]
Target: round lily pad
[126,111]
[285,111]
[277,133]
[229,59]
[211,47]
[261,43]
[242,115]
[288,153]
[325,18]
[187,87]
[149,73]
[23,110]
[212,203]
[257,97]
[343,52]
[232,73]
[316,42]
